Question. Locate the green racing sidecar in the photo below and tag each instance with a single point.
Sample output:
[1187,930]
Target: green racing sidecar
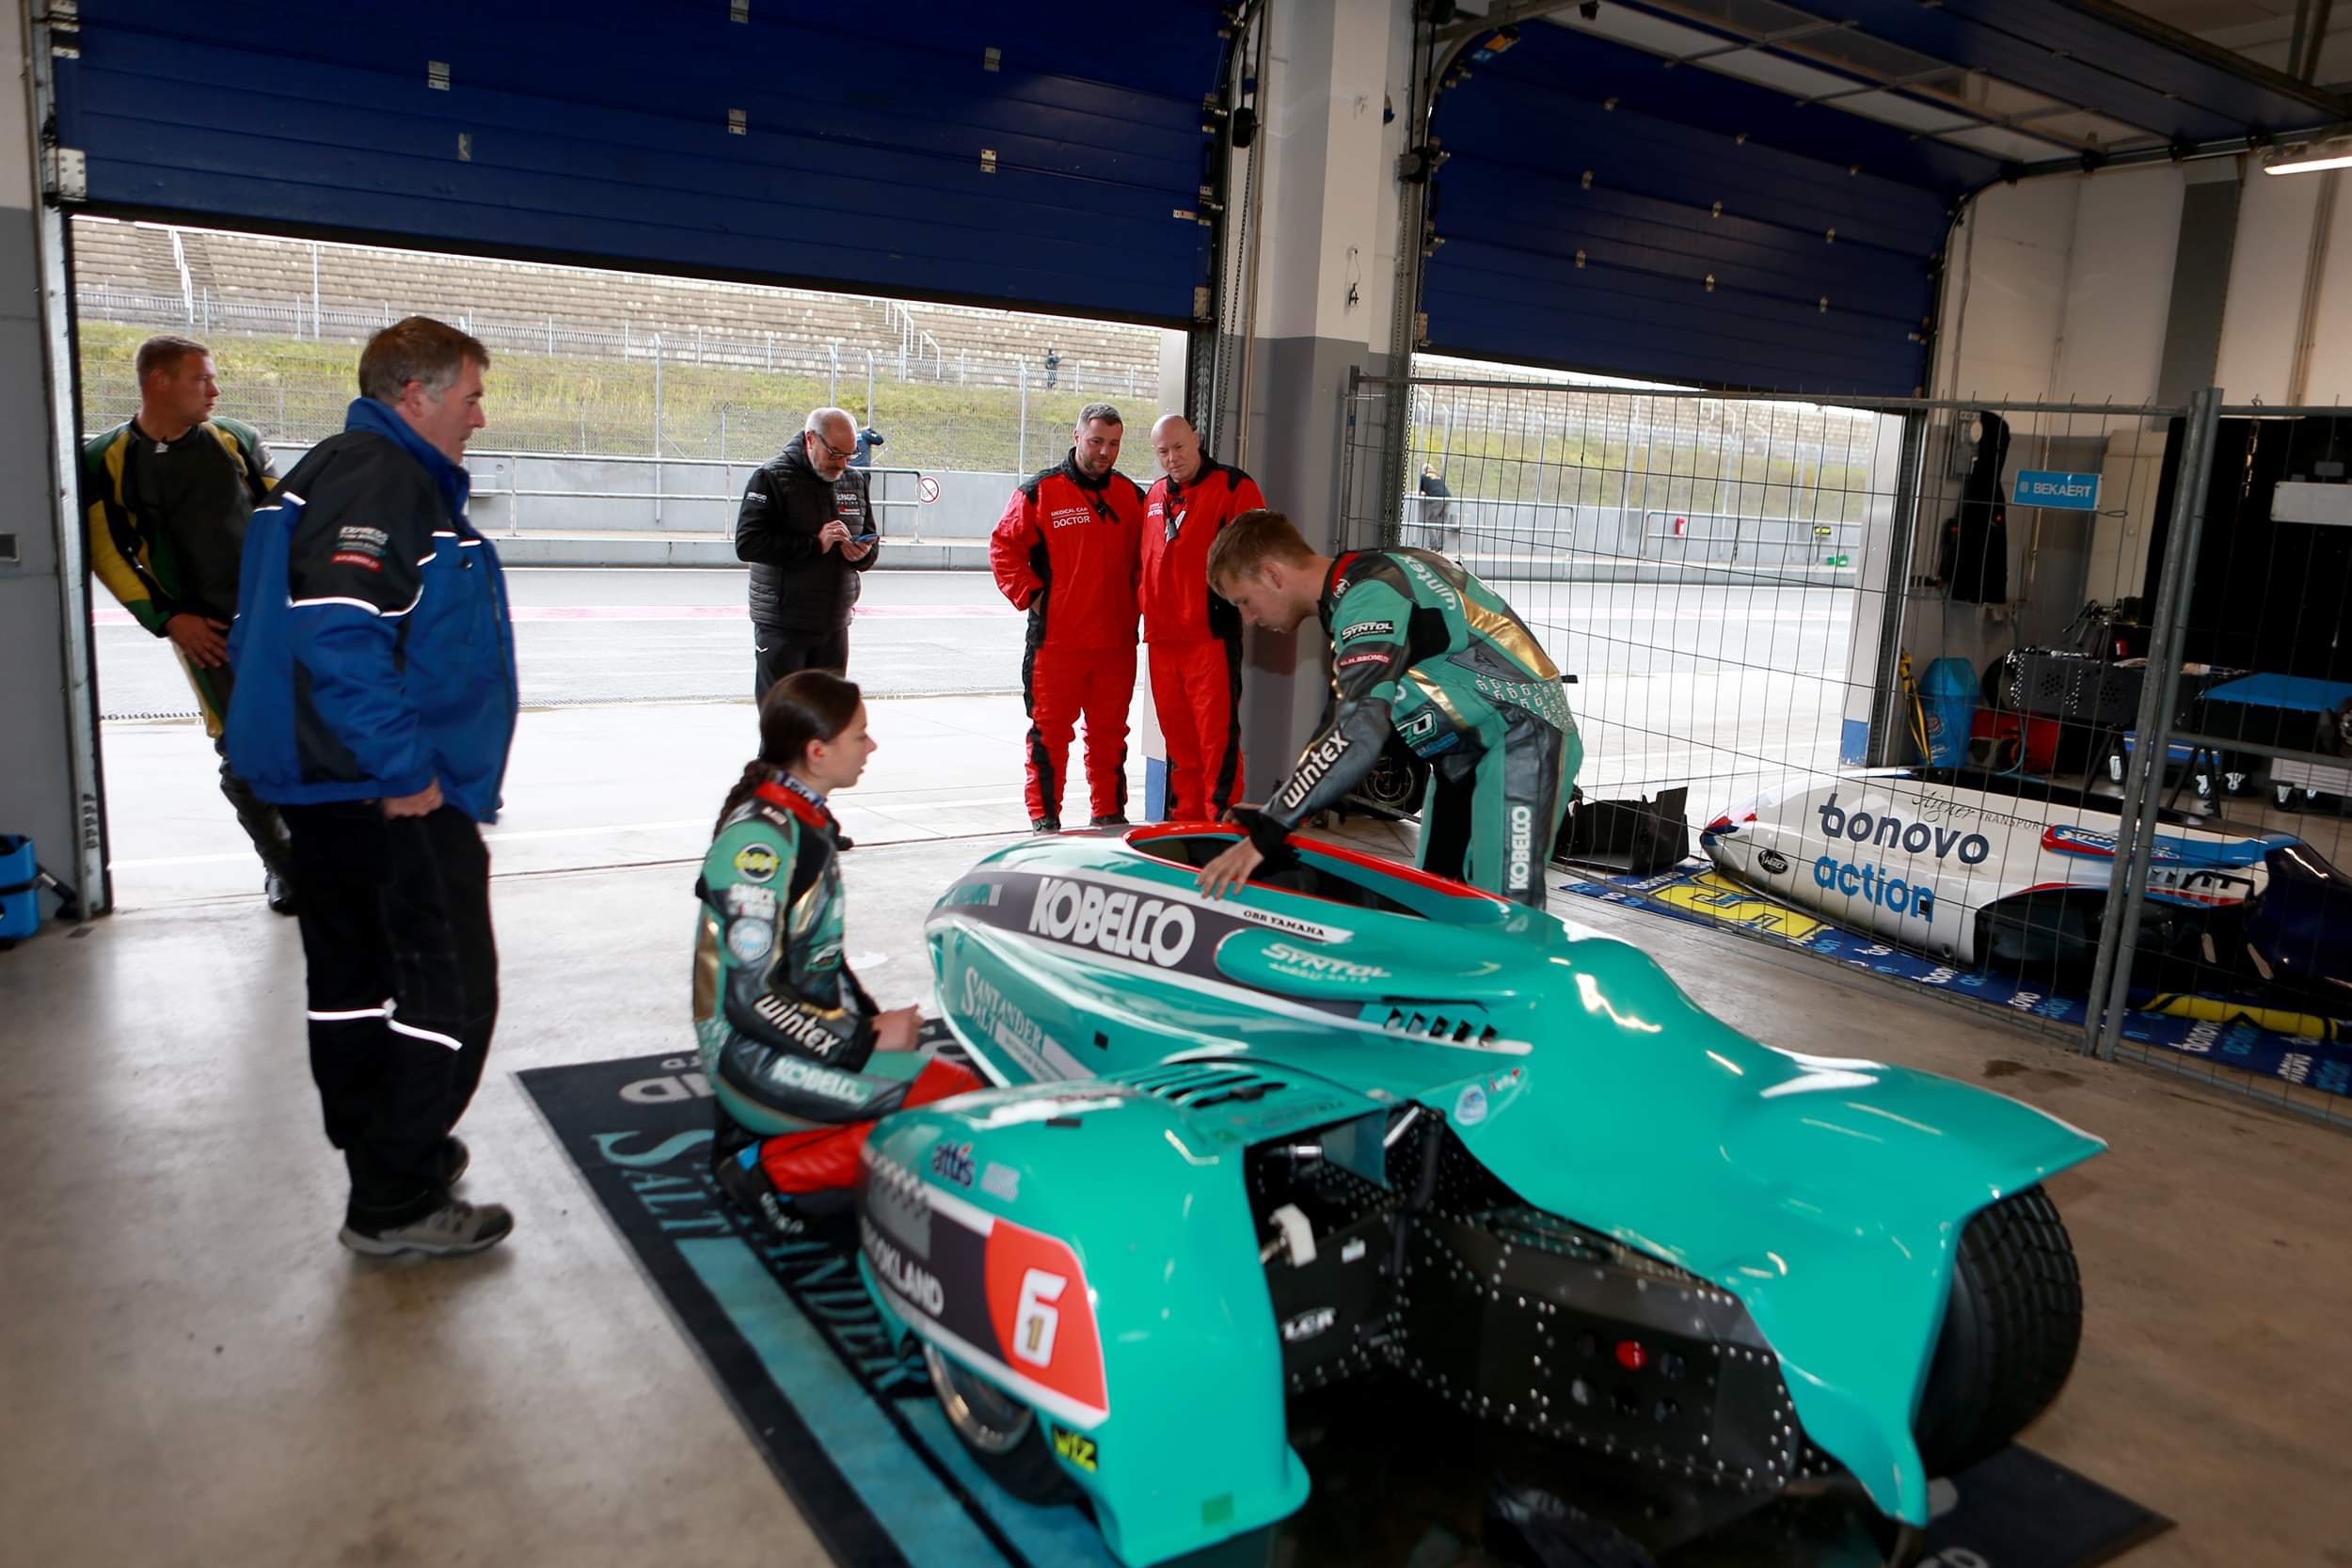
[1356,1118]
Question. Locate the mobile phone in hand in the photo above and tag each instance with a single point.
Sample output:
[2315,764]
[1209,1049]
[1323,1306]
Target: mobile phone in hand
[867,538]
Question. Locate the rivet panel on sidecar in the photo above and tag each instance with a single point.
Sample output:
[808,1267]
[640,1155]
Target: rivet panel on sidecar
[1517,1316]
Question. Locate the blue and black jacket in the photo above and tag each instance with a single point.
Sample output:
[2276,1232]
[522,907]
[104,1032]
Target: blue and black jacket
[374,650]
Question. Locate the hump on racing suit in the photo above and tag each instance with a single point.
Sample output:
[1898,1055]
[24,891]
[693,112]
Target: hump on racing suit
[781,1025]
[1423,650]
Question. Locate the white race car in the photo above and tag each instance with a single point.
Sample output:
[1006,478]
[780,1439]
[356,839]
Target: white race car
[1977,867]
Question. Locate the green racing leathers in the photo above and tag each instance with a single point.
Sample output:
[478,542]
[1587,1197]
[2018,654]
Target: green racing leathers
[1423,650]
[783,1027]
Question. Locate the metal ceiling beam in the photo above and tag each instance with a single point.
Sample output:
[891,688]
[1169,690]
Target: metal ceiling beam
[1892,84]
[2186,43]
[2053,110]
[1506,15]
[2120,15]
[2309,69]
[2187,152]
[1763,40]
[1873,82]
[2022,122]
[2023,119]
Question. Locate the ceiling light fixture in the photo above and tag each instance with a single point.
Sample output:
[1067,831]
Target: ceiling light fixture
[2309,157]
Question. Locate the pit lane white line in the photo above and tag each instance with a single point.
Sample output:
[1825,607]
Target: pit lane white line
[487,838]
[103,615]
[577,832]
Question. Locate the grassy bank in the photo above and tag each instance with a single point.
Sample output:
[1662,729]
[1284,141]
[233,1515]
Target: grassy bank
[295,389]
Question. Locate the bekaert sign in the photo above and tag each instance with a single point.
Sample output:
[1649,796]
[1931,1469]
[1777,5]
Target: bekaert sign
[2068,492]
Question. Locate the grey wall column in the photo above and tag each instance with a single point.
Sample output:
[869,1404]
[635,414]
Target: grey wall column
[48,780]
[1325,288]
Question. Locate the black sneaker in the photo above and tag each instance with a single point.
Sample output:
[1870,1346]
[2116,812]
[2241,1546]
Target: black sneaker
[1045,824]
[453,1229]
[279,891]
[1116,819]
[455,1157]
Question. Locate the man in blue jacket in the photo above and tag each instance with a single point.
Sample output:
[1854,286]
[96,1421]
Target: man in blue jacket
[375,704]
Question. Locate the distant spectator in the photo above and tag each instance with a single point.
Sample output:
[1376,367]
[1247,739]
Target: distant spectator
[1437,512]
[1066,550]
[1053,367]
[868,440]
[807,528]
[168,496]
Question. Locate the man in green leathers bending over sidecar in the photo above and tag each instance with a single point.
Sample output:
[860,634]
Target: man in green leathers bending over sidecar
[1423,650]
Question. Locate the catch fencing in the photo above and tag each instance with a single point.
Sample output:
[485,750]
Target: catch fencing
[287,366]
[1769,602]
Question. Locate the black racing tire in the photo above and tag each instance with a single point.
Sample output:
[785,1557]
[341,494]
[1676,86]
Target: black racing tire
[1005,1437]
[2010,1331]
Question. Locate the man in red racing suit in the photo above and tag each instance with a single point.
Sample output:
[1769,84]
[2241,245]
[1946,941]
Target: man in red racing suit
[1194,635]
[1065,550]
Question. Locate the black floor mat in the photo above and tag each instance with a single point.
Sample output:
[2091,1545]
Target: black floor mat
[851,1430]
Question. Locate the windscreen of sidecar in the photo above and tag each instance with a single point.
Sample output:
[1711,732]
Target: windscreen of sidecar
[1307,873]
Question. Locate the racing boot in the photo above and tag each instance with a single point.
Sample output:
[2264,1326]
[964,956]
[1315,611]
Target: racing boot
[267,829]
[734,1165]
[748,1188]
[740,1164]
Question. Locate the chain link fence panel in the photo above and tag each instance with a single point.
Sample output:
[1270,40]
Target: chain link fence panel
[1899,655]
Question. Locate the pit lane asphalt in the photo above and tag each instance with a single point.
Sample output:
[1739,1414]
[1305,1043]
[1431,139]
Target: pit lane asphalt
[637,690]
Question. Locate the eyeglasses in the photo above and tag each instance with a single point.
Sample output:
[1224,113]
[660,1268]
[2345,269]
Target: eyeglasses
[845,456]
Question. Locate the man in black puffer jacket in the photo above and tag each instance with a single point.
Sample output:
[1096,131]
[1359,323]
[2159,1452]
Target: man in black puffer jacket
[807,527]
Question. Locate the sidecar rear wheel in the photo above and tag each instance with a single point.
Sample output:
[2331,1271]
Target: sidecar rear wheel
[2010,1334]
[1003,1435]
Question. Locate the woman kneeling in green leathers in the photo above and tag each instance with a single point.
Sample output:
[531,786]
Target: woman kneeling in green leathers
[800,1059]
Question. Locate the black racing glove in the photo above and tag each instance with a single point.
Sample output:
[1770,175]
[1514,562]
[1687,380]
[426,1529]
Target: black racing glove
[1272,839]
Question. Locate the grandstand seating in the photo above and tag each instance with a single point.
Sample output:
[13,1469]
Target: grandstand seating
[128,272]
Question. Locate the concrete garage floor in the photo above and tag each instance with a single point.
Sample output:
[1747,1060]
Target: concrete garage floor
[197,1374]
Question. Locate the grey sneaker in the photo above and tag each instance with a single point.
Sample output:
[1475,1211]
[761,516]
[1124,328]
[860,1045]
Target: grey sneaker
[451,1230]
